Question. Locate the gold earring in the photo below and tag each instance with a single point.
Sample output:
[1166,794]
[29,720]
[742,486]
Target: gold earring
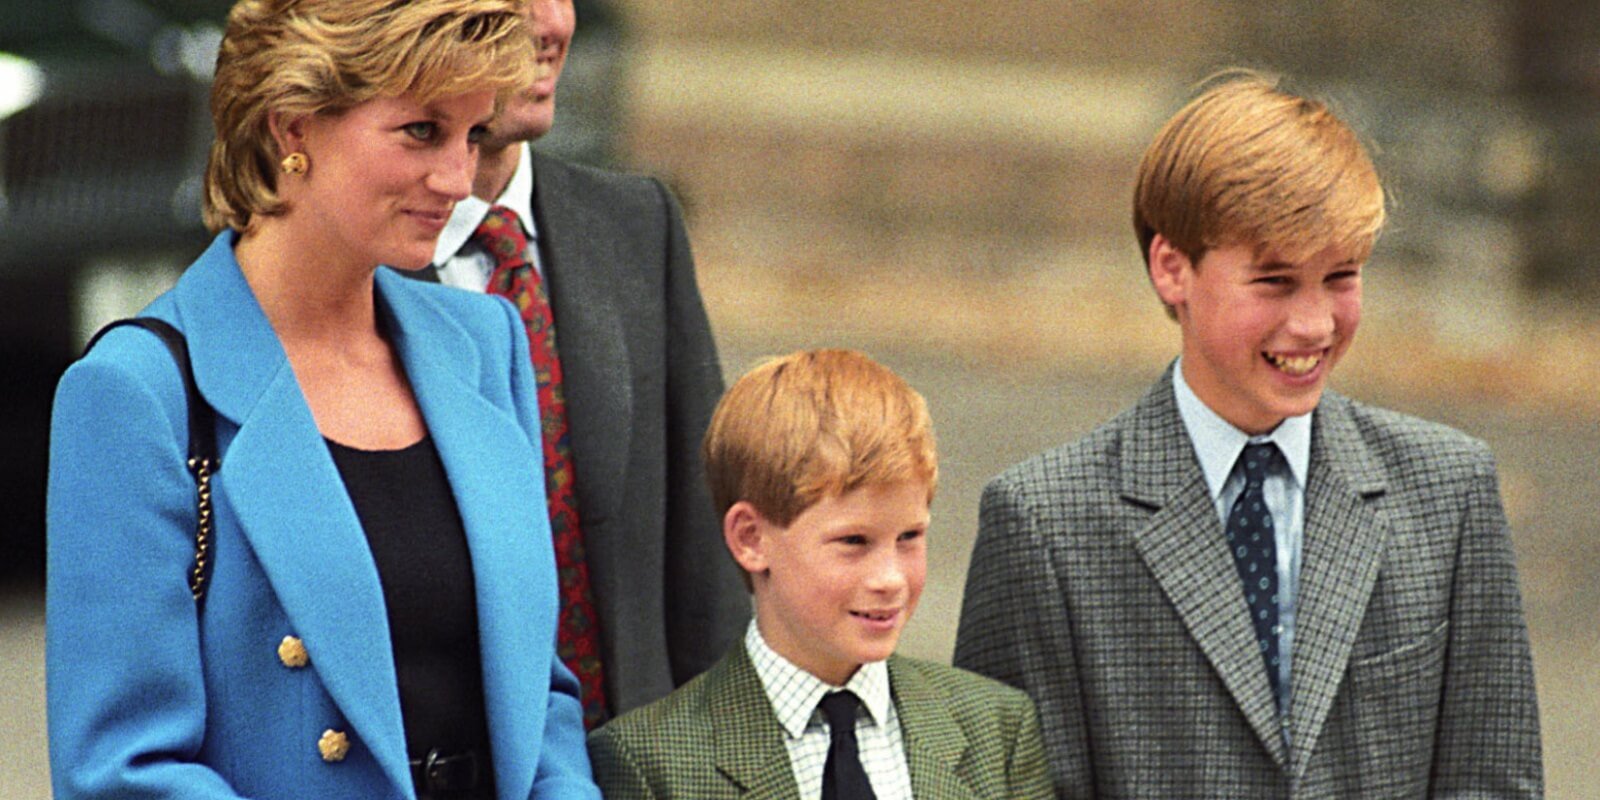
[295,163]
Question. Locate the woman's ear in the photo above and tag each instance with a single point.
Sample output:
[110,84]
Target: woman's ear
[746,533]
[1170,271]
[287,132]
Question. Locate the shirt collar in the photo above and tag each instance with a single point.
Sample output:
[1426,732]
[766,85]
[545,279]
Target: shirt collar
[1217,443]
[795,693]
[464,218]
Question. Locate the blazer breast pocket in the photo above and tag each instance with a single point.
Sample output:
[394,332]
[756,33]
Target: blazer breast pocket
[1389,709]
[1415,658]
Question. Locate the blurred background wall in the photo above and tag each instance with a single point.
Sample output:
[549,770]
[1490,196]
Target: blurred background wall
[946,185]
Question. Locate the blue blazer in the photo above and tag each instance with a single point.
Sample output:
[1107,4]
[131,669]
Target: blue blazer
[147,698]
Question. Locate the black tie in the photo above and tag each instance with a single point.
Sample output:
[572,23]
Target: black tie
[842,775]
[1255,553]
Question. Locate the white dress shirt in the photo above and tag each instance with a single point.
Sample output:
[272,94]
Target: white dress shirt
[795,693]
[461,262]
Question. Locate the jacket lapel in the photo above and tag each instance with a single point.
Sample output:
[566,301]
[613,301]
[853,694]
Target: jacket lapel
[1344,542]
[492,469]
[280,480]
[747,738]
[1182,545]
[935,745]
[594,354]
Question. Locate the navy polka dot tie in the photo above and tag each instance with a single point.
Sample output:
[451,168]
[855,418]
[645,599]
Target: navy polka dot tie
[1255,553]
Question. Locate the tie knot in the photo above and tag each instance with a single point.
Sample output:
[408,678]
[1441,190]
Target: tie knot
[1258,459]
[500,233]
[840,709]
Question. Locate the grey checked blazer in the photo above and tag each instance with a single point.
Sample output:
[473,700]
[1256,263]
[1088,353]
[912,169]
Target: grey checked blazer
[1100,584]
[717,738]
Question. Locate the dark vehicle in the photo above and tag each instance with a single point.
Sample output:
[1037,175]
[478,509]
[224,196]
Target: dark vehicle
[102,134]
[104,129]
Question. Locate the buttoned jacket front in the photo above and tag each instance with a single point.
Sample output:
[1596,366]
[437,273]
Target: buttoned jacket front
[148,698]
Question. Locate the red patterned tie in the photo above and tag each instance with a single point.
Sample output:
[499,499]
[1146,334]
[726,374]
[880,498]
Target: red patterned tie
[578,638]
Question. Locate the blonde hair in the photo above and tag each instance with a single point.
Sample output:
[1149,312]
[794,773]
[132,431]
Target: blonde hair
[1246,163]
[812,425]
[306,57]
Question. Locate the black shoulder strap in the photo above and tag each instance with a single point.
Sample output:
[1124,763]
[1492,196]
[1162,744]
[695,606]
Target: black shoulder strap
[202,430]
[203,459]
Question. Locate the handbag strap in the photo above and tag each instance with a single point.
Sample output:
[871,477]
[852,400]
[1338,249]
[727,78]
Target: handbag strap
[203,460]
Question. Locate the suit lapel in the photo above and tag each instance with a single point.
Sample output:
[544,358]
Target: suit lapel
[490,466]
[747,739]
[577,264]
[1343,546]
[935,745]
[280,480]
[1182,544]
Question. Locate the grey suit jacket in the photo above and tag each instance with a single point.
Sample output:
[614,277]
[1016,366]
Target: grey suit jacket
[641,380]
[1100,584]
[717,738]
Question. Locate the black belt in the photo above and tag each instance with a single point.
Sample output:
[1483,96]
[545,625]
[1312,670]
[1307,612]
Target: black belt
[440,775]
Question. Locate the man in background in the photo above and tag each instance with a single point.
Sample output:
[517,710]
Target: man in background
[599,265]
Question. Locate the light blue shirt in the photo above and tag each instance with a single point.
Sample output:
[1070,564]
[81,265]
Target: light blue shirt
[461,262]
[1217,445]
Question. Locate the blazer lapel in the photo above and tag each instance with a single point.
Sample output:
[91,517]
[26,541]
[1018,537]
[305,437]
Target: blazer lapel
[492,469]
[1344,543]
[280,480]
[577,266]
[747,739]
[935,745]
[1183,547]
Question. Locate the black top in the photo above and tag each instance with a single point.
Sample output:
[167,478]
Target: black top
[418,543]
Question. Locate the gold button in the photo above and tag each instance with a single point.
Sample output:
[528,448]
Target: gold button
[292,652]
[333,745]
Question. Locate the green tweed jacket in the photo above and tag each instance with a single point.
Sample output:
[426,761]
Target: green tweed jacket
[966,738]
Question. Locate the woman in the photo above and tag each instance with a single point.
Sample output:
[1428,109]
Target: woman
[380,614]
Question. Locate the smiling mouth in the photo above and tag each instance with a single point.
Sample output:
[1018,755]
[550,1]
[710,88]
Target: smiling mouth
[1296,366]
[875,616]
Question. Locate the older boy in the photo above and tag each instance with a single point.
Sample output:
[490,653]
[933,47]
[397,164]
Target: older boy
[822,464]
[1245,586]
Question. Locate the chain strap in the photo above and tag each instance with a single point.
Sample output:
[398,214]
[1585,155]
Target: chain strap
[203,460]
[202,469]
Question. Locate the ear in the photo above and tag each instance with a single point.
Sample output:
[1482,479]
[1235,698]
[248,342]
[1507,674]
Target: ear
[1170,271]
[745,531]
[287,132]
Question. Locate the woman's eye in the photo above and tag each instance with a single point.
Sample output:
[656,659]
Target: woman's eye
[476,134]
[422,131]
